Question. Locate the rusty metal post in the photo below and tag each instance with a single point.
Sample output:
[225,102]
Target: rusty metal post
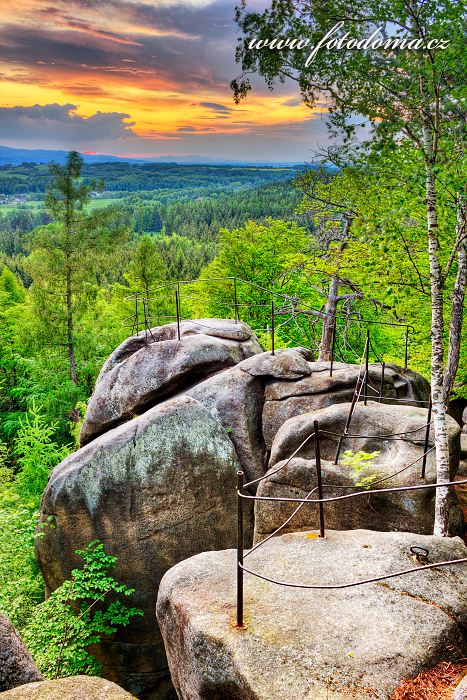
[427,438]
[273,330]
[349,418]
[177,307]
[381,386]
[240,476]
[333,346]
[319,479]
[406,362]
[367,357]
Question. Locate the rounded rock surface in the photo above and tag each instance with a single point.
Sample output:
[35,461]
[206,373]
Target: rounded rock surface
[73,688]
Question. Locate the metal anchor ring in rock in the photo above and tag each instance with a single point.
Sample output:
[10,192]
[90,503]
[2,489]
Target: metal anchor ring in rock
[167,427]
[411,511]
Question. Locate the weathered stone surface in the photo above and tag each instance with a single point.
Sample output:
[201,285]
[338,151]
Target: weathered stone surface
[235,399]
[16,663]
[412,511]
[312,645]
[285,399]
[155,490]
[374,421]
[284,364]
[140,374]
[73,688]
[460,692]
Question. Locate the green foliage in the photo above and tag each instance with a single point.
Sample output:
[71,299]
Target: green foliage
[359,463]
[147,266]
[78,614]
[21,585]
[36,453]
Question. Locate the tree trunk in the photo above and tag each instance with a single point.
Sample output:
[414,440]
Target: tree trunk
[437,359]
[457,303]
[70,334]
[329,321]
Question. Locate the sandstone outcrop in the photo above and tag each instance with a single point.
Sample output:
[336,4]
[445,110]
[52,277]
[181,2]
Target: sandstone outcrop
[16,664]
[169,423]
[235,398]
[155,490]
[73,688]
[146,369]
[398,464]
[337,644]
[285,399]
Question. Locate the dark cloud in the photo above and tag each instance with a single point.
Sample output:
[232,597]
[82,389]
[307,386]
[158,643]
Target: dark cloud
[195,54]
[215,107]
[59,127]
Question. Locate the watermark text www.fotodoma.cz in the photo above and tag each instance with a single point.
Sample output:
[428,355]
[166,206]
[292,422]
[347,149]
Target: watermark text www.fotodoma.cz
[332,42]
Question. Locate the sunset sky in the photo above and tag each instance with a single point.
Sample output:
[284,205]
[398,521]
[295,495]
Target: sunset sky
[142,78]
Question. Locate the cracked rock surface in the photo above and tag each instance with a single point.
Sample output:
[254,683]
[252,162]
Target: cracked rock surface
[313,644]
[398,464]
[148,368]
[155,490]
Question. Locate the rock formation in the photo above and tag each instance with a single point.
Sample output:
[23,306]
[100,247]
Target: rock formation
[155,490]
[147,369]
[169,424]
[16,664]
[285,399]
[412,511]
[356,643]
[73,688]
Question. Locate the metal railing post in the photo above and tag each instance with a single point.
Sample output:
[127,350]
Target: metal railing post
[136,315]
[367,356]
[240,476]
[349,418]
[406,361]
[381,386]
[273,330]
[235,301]
[427,438]
[319,479]
[177,308]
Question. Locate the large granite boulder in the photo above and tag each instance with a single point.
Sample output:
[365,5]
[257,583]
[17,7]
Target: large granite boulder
[357,642]
[16,663]
[155,490]
[146,369]
[73,688]
[235,397]
[285,399]
[398,464]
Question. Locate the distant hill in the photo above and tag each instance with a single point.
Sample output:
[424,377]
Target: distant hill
[17,156]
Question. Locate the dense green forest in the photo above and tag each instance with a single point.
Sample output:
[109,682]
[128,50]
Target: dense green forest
[167,179]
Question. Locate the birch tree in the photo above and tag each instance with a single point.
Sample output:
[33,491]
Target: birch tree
[407,83]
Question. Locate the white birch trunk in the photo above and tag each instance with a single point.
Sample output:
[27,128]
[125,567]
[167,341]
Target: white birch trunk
[437,359]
